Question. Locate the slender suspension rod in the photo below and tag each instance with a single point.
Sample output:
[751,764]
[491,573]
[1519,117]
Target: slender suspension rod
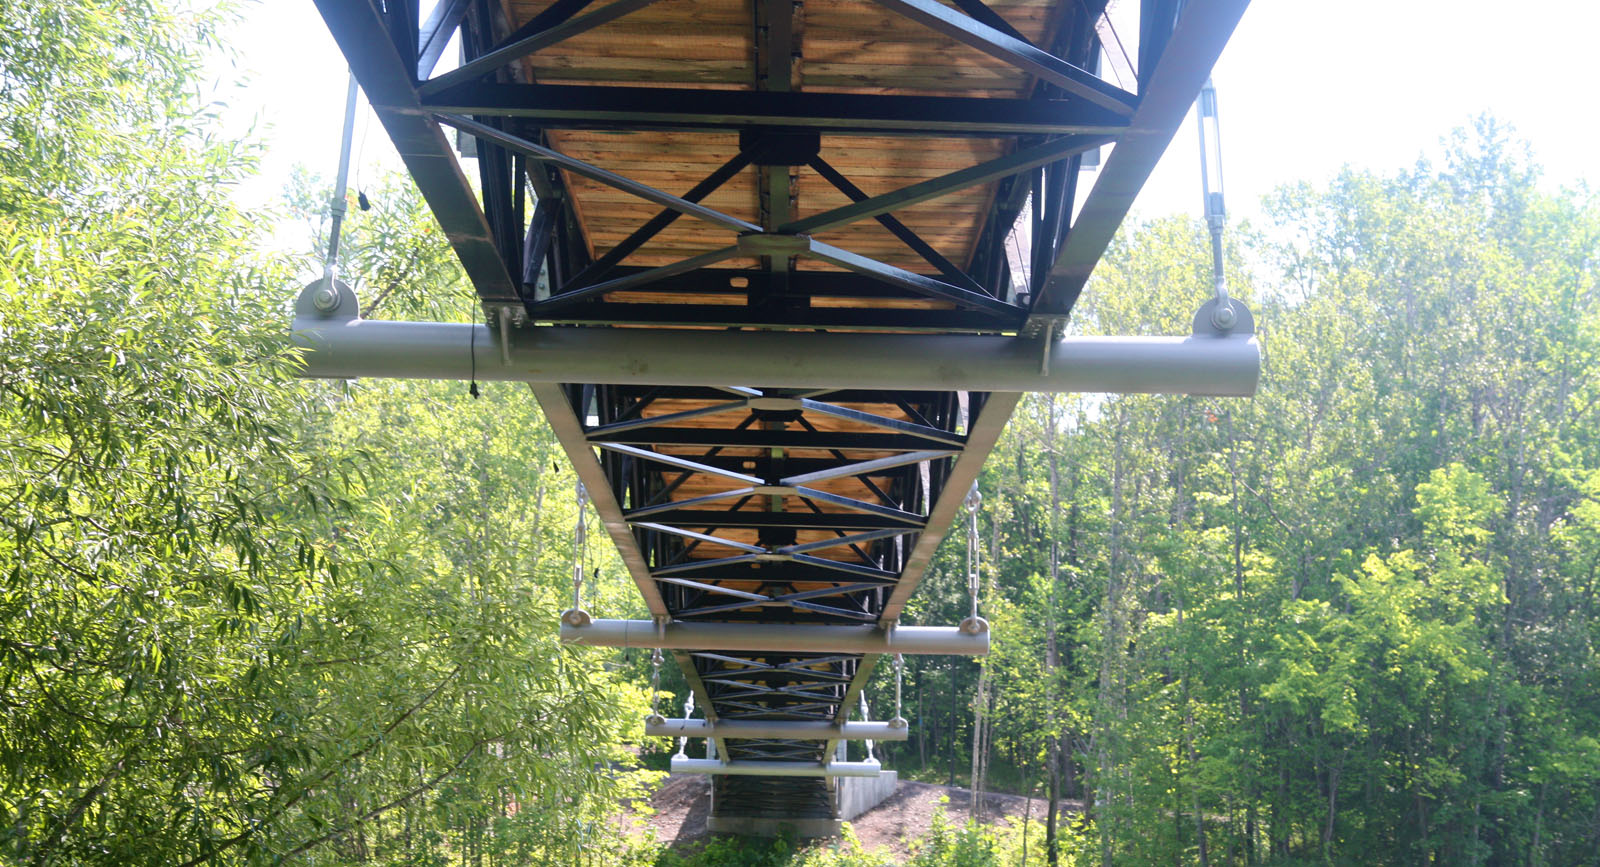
[337,205]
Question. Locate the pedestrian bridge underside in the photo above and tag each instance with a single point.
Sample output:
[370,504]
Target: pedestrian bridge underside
[777,272]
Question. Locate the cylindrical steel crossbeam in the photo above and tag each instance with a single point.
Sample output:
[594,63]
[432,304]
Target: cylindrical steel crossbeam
[778,637]
[789,730]
[684,765]
[1227,366]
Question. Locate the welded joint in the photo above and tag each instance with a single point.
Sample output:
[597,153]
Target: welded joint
[774,244]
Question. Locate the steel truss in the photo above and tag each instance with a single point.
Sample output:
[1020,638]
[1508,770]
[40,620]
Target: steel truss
[775,505]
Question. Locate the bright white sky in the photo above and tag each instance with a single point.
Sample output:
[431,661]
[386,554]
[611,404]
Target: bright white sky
[1304,88]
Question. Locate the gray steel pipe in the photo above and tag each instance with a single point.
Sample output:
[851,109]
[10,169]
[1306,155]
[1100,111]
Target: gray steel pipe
[777,637]
[1227,366]
[791,730]
[683,765]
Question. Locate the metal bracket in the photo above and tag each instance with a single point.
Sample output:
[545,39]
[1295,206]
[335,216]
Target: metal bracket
[576,617]
[1053,330]
[774,244]
[327,298]
[1212,320]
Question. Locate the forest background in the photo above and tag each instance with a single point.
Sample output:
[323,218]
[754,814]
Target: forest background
[247,618]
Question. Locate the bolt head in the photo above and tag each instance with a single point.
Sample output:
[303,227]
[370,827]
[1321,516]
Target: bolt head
[576,617]
[1224,316]
[326,298]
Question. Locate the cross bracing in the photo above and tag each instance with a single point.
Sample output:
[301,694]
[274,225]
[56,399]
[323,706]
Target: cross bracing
[899,169]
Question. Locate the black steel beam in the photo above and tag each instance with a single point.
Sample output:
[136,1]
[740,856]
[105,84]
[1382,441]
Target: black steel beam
[778,573]
[900,230]
[1001,46]
[1203,28]
[800,316]
[566,424]
[740,281]
[521,46]
[556,106]
[660,221]
[720,519]
[435,33]
[766,466]
[981,12]
[933,188]
[769,439]
[534,151]
[386,77]
[910,280]
[536,245]
[983,431]
[635,280]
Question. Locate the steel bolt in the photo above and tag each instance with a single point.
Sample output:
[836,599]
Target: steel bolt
[974,626]
[576,617]
[326,298]
[1224,316]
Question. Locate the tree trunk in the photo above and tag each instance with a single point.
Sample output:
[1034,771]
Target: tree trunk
[1051,655]
[1111,709]
[1027,816]
[1333,806]
[975,790]
[950,741]
[1052,846]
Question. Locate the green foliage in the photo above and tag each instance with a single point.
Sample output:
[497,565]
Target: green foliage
[1340,621]
[244,618]
[943,845]
[249,619]
[780,852]
[1350,620]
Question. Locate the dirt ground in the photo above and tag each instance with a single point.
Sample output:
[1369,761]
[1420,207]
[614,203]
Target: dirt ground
[683,802]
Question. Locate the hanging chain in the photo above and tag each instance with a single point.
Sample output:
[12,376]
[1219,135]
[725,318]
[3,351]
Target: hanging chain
[655,679]
[688,711]
[866,714]
[899,720]
[973,501]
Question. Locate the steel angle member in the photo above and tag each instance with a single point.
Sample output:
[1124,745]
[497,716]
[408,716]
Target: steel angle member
[793,730]
[778,637]
[685,765]
[1201,364]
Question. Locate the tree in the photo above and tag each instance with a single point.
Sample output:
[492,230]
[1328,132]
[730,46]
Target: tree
[244,617]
